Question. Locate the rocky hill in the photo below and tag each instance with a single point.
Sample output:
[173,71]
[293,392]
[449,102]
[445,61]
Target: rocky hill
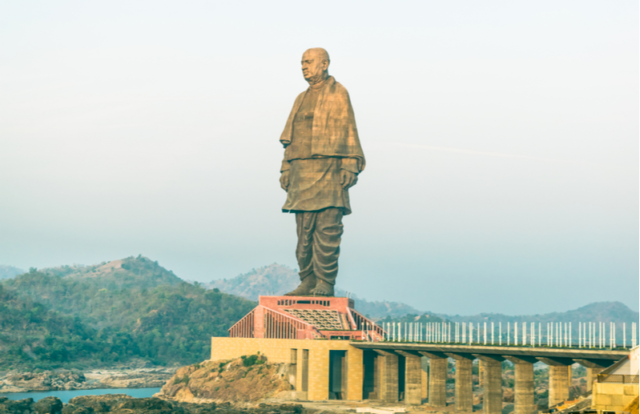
[241,380]
[277,279]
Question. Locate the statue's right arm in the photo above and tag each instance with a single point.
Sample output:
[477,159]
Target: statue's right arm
[284,174]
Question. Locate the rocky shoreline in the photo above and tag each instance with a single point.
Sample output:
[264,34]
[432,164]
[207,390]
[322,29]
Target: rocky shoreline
[64,379]
[124,404]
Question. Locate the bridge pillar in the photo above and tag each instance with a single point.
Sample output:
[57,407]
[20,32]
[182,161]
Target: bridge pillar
[559,369]
[464,382]
[437,379]
[558,384]
[388,377]
[412,379]
[424,362]
[523,388]
[492,384]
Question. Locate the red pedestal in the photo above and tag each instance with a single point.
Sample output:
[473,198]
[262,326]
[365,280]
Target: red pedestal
[302,317]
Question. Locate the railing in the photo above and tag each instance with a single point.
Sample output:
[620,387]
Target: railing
[554,334]
[244,328]
[282,326]
[366,326]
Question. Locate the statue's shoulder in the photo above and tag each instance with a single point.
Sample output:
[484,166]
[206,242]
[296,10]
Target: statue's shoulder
[338,89]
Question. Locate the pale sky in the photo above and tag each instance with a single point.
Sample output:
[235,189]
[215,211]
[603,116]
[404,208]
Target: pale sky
[501,140]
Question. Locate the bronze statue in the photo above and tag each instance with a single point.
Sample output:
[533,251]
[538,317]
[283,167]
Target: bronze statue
[322,160]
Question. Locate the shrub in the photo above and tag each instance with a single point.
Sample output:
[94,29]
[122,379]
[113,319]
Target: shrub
[251,360]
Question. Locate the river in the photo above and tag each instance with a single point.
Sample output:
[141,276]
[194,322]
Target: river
[65,396]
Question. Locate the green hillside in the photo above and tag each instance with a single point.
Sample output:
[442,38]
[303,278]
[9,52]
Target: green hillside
[33,336]
[156,315]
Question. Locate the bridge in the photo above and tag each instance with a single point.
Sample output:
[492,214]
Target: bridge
[399,369]
[335,352]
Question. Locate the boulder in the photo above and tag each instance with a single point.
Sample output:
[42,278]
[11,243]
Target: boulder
[16,407]
[48,405]
[77,409]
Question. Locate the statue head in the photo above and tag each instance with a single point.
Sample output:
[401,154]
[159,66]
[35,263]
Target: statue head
[315,65]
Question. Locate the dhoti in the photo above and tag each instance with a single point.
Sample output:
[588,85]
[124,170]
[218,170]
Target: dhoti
[318,248]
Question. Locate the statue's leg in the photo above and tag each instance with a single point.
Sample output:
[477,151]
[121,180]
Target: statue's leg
[326,250]
[305,225]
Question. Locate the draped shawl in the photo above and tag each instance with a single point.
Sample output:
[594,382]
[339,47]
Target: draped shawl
[334,132]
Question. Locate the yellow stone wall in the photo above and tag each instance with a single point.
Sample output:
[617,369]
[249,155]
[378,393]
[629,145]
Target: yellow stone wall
[279,351]
[612,396]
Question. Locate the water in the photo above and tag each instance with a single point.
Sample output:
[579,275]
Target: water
[65,396]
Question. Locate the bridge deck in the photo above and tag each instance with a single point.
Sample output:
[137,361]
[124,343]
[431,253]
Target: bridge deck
[515,351]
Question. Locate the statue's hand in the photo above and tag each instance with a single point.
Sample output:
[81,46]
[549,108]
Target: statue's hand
[349,179]
[284,180]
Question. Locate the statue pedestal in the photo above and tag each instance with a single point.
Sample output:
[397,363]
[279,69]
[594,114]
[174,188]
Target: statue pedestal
[304,317]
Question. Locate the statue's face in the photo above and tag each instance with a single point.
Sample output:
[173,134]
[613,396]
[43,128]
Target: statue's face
[313,66]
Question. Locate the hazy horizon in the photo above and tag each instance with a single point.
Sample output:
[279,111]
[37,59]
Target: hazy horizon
[501,141]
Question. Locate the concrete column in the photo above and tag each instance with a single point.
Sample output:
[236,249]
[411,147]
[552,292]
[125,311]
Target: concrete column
[437,382]
[425,377]
[389,378]
[592,374]
[464,385]
[412,380]
[524,389]
[354,370]
[558,384]
[492,386]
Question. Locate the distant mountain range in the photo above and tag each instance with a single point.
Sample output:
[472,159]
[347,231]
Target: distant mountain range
[594,312]
[277,279]
[7,272]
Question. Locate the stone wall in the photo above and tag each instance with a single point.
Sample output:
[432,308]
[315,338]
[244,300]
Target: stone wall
[280,351]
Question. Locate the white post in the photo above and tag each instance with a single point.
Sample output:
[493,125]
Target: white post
[484,331]
[479,333]
[464,332]
[508,333]
[524,334]
[539,333]
[515,333]
[470,333]
[492,333]
[533,334]
[579,334]
[500,333]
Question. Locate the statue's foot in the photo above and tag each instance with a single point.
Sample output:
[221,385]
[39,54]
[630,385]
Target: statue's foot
[304,289]
[322,289]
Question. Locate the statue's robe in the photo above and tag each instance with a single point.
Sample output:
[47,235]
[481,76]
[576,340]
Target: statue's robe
[320,140]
